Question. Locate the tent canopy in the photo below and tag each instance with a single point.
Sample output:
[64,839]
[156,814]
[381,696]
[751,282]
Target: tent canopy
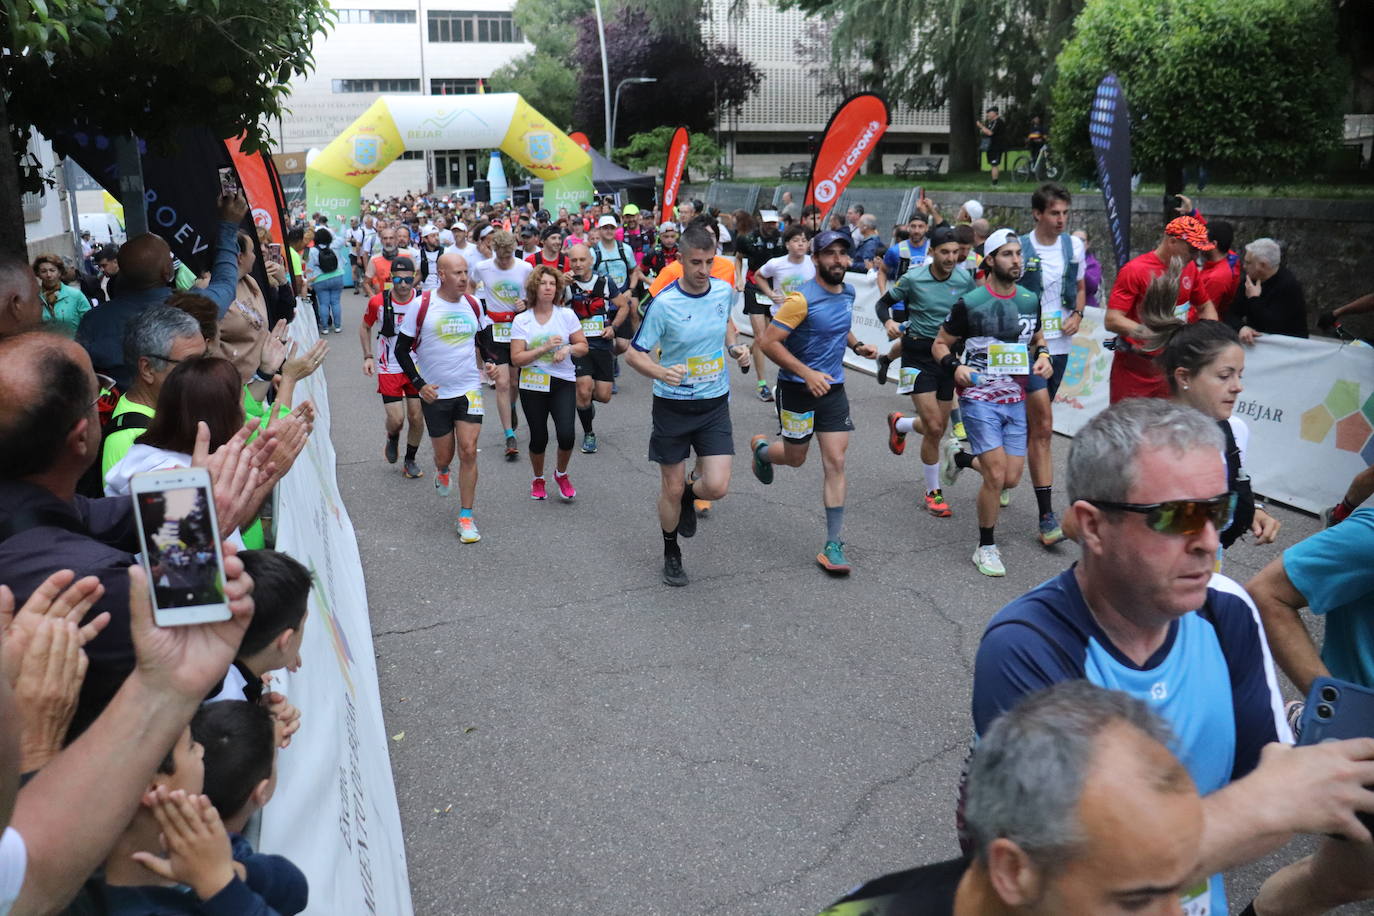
[609,177]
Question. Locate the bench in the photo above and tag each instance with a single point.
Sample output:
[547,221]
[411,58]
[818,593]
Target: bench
[796,170]
[919,165]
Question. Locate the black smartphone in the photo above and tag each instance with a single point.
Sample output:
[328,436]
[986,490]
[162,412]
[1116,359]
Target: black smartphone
[1337,710]
[1178,201]
[228,181]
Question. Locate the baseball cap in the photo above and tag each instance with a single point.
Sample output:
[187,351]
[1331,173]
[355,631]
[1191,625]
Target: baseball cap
[402,263]
[829,237]
[941,235]
[974,209]
[918,215]
[630,210]
[1191,230]
[606,220]
[997,240]
[430,229]
[667,226]
[768,216]
[460,226]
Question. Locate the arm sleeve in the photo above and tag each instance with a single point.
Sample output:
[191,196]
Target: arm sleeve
[1320,567]
[792,312]
[888,301]
[956,325]
[404,343]
[1015,659]
[224,276]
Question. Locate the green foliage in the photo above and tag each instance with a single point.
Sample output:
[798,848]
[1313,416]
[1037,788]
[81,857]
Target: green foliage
[545,81]
[151,67]
[649,150]
[1254,89]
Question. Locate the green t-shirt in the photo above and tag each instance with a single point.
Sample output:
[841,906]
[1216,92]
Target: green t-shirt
[118,443]
[928,300]
[997,331]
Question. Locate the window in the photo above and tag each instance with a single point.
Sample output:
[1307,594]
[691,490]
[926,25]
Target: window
[462,25]
[452,86]
[376,16]
[377,85]
[412,154]
[772,148]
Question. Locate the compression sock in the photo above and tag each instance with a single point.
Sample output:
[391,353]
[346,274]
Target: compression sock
[956,416]
[1342,510]
[932,476]
[670,548]
[963,459]
[510,433]
[1043,500]
[465,513]
[394,437]
[985,538]
[412,451]
[906,425]
[834,521]
[586,415]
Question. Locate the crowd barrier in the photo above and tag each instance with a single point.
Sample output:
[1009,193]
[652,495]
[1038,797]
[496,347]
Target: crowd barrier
[334,813]
[1309,404]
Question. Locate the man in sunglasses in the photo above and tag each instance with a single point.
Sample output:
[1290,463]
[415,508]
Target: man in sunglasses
[1143,613]
[385,312]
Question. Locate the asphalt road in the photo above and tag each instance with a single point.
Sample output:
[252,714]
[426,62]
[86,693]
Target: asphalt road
[755,743]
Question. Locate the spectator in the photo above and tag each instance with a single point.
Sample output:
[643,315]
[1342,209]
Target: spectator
[993,132]
[104,285]
[1270,300]
[240,745]
[851,222]
[273,640]
[869,250]
[63,305]
[325,273]
[243,330]
[1075,805]
[145,268]
[20,307]
[789,209]
[1219,272]
[1092,271]
[203,311]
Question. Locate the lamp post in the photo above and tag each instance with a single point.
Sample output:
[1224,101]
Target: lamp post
[605,73]
[615,111]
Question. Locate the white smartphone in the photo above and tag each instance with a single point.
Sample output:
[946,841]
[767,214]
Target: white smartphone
[175,511]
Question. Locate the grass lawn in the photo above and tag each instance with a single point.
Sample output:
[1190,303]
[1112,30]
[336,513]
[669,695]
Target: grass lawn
[1335,187]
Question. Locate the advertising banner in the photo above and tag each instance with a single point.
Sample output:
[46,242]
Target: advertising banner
[849,139]
[1109,126]
[672,170]
[334,813]
[259,184]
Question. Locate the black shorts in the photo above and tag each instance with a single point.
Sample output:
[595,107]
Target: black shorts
[683,426]
[994,157]
[801,414]
[756,303]
[501,352]
[626,330]
[599,364]
[932,377]
[445,413]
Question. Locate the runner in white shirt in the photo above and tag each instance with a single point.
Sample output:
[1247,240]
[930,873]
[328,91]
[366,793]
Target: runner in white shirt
[544,340]
[443,334]
[502,279]
[431,249]
[783,275]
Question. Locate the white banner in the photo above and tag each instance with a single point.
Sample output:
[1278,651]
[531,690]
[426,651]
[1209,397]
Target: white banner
[1309,404]
[334,814]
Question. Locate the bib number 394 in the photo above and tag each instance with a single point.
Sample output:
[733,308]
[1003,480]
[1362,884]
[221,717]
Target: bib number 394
[1008,359]
[702,370]
[797,425]
[532,379]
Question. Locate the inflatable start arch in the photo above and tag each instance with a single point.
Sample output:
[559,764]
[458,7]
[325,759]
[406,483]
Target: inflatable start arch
[396,123]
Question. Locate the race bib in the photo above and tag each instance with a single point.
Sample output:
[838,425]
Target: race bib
[702,370]
[907,384]
[797,425]
[475,403]
[592,327]
[1197,901]
[1008,359]
[532,379]
[500,332]
[1052,325]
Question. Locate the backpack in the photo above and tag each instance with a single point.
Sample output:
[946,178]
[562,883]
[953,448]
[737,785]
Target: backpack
[329,260]
[424,309]
[620,249]
[1032,278]
[424,262]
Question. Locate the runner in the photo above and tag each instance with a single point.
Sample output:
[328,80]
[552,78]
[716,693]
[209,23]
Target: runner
[503,279]
[616,260]
[588,295]
[665,252]
[444,335]
[927,294]
[551,251]
[1055,270]
[752,251]
[806,339]
[429,254]
[689,322]
[545,338]
[390,308]
[1000,326]
[378,273]
[908,253]
[787,273]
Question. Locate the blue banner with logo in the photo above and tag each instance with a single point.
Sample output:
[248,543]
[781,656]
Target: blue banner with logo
[1109,126]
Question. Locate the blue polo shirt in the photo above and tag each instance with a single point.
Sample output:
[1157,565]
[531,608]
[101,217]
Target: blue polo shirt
[818,324]
[690,330]
[1326,569]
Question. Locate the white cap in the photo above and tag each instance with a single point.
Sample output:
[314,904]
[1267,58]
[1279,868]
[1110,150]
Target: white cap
[460,226]
[768,216]
[486,231]
[430,229]
[997,240]
[974,209]
[606,220]
[667,226]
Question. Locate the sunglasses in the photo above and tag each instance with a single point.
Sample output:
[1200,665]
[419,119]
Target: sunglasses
[105,386]
[396,279]
[1180,516]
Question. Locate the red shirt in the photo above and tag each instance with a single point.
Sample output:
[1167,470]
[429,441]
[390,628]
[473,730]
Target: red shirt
[1135,375]
[1219,281]
[559,263]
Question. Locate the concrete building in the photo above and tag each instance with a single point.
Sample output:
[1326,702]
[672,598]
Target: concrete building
[394,47]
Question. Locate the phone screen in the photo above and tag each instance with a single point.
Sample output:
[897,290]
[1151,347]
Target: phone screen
[181,549]
[228,181]
[274,252]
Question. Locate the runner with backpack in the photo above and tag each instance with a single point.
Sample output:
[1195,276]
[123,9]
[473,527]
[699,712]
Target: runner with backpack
[386,311]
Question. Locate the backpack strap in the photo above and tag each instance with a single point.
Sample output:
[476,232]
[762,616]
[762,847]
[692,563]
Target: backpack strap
[420,318]
[130,419]
[388,328]
[1068,291]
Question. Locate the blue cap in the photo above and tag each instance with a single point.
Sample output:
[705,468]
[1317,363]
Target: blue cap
[829,237]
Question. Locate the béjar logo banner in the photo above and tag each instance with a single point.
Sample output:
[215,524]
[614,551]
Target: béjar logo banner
[850,138]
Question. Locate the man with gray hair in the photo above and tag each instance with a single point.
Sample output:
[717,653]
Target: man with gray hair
[868,245]
[1075,806]
[1270,299]
[20,307]
[1143,612]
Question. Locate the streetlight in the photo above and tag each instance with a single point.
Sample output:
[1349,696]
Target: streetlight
[615,111]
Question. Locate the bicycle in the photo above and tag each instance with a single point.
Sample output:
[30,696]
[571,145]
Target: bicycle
[1043,167]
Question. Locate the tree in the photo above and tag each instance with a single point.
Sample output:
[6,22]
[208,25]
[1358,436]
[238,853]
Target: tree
[543,76]
[696,78]
[1207,85]
[145,68]
[649,150]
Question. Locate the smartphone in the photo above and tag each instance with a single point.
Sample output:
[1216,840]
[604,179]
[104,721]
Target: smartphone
[179,534]
[274,252]
[228,181]
[1337,710]
[1178,201]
